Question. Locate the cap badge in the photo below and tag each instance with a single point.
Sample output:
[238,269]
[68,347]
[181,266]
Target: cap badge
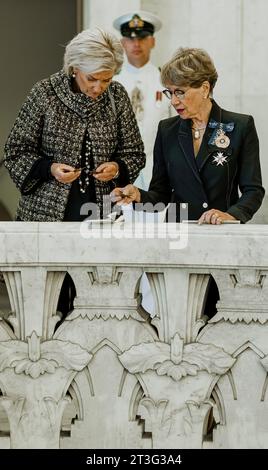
[136,22]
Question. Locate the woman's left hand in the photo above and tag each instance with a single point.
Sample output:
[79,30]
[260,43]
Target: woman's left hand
[215,217]
[106,171]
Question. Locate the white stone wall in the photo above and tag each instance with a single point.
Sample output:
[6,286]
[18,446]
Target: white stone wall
[235,34]
[102,13]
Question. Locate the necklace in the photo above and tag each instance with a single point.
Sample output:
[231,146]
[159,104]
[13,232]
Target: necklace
[197,133]
[84,183]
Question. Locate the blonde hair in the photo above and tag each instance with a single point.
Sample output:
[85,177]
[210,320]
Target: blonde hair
[189,67]
[93,51]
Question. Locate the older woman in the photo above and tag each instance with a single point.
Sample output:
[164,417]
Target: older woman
[76,134]
[205,155]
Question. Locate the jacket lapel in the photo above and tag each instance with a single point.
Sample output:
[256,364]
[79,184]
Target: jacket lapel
[206,150]
[186,145]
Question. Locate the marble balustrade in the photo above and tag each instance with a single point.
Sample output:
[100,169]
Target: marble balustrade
[112,376]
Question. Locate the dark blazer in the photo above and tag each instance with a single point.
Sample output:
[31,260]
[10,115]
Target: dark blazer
[200,181]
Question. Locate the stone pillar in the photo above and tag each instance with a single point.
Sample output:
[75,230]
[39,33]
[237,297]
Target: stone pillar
[102,13]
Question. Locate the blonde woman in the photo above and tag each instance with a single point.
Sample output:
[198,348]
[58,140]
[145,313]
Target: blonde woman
[76,134]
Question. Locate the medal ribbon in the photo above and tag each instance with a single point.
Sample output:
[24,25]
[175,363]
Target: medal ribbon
[219,128]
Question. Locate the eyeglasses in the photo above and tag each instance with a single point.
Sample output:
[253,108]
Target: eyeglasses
[178,93]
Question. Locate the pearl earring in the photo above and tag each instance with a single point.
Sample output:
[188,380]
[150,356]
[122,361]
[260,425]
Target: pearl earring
[73,75]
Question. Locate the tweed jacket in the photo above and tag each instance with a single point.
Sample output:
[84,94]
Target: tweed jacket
[213,178]
[52,124]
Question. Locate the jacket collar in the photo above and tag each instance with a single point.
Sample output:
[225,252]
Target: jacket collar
[186,144]
[207,149]
[186,141]
[81,104]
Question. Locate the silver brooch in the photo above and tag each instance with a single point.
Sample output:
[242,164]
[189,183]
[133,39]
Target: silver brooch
[220,159]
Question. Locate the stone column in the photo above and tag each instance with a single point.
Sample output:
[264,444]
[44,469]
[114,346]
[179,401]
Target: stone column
[102,13]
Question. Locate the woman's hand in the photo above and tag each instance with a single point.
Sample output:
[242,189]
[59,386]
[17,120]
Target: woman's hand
[67,174]
[215,217]
[125,195]
[106,171]
[64,173]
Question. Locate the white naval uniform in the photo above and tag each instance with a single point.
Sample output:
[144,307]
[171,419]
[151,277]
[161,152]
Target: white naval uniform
[147,80]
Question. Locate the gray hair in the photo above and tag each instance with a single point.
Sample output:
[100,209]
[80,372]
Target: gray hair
[93,51]
[189,67]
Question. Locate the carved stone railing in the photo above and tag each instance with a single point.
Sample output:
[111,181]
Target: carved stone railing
[111,376]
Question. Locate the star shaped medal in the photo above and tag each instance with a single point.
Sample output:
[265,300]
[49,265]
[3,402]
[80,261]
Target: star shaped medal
[219,159]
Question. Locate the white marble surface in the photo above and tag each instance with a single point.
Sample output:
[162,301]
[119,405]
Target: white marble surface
[60,243]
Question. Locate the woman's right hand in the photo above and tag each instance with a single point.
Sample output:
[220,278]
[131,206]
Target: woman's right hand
[64,173]
[125,195]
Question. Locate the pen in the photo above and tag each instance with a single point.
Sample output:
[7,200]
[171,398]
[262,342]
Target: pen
[122,195]
[204,223]
[91,172]
[79,169]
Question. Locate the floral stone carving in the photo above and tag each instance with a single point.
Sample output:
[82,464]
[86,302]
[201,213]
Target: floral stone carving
[35,358]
